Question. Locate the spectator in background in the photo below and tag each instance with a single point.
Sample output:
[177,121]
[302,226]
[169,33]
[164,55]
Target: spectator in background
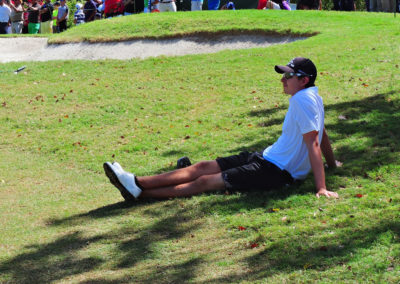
[129,7]
[344,5]
[309,5]
[167,6]
[5,13]
[388,6]
[89,10]
[262,4]
[228,6]
[46,15]
[283,5]
[197,5]
[79,16]
[26,21]
[55,13]
[155,6]
[100,10]
[272,5]
[17,17]
[62,16]
[33,17]
[113,8]
[213,4]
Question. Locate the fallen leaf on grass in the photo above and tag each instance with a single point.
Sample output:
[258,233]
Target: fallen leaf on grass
[271,210]
[307,265]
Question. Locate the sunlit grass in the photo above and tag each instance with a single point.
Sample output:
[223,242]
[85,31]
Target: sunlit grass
[63,222]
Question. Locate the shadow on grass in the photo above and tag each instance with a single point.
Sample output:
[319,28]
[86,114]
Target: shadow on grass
[52,261]
[299,252]
[372,123]
[372,127]
[62,258]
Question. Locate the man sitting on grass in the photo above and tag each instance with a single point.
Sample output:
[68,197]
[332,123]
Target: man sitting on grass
[290,158]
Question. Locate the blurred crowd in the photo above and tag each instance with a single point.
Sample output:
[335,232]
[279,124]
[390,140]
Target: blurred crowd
[44,16]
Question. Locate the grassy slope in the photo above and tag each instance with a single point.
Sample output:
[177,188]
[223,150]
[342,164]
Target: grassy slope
[62,221]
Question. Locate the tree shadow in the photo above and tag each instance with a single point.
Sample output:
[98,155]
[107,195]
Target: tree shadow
[371,125]
[299,252]
[45,263]
[371,122]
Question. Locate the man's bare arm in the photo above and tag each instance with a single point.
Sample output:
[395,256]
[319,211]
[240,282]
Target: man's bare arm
[327,151]
[314,154]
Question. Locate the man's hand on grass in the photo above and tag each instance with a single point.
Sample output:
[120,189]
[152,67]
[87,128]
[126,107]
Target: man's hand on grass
[327,193]
[338,164]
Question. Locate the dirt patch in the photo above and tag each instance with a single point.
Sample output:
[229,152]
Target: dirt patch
[37,49]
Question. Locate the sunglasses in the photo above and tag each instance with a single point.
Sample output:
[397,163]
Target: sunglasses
[289,75]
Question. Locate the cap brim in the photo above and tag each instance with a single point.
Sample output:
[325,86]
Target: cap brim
[282,69]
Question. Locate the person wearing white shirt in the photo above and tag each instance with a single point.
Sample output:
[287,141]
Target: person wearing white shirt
[167,6]
[296,152]
[197,5]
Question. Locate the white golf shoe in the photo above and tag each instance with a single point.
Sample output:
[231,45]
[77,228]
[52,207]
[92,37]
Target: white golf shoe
[122,180]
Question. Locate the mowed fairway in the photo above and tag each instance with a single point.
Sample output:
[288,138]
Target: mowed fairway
[62,222]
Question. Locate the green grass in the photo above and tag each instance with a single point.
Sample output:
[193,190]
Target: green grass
[62,222]
[160,25]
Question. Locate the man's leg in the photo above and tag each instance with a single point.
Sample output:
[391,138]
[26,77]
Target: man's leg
[201,184]
[179,177]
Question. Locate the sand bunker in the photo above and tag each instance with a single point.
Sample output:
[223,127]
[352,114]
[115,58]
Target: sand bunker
[37,49]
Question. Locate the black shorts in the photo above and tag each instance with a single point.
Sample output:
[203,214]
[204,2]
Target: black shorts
[250,171]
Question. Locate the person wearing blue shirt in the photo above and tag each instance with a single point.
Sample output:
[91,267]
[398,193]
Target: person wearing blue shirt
[79,16]
[228,6]
[213,4]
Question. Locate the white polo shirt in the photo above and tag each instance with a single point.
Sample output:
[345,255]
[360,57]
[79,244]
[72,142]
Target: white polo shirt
[5,13]
[305,114]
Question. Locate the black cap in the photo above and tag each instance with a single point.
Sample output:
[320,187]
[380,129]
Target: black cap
[300,65]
